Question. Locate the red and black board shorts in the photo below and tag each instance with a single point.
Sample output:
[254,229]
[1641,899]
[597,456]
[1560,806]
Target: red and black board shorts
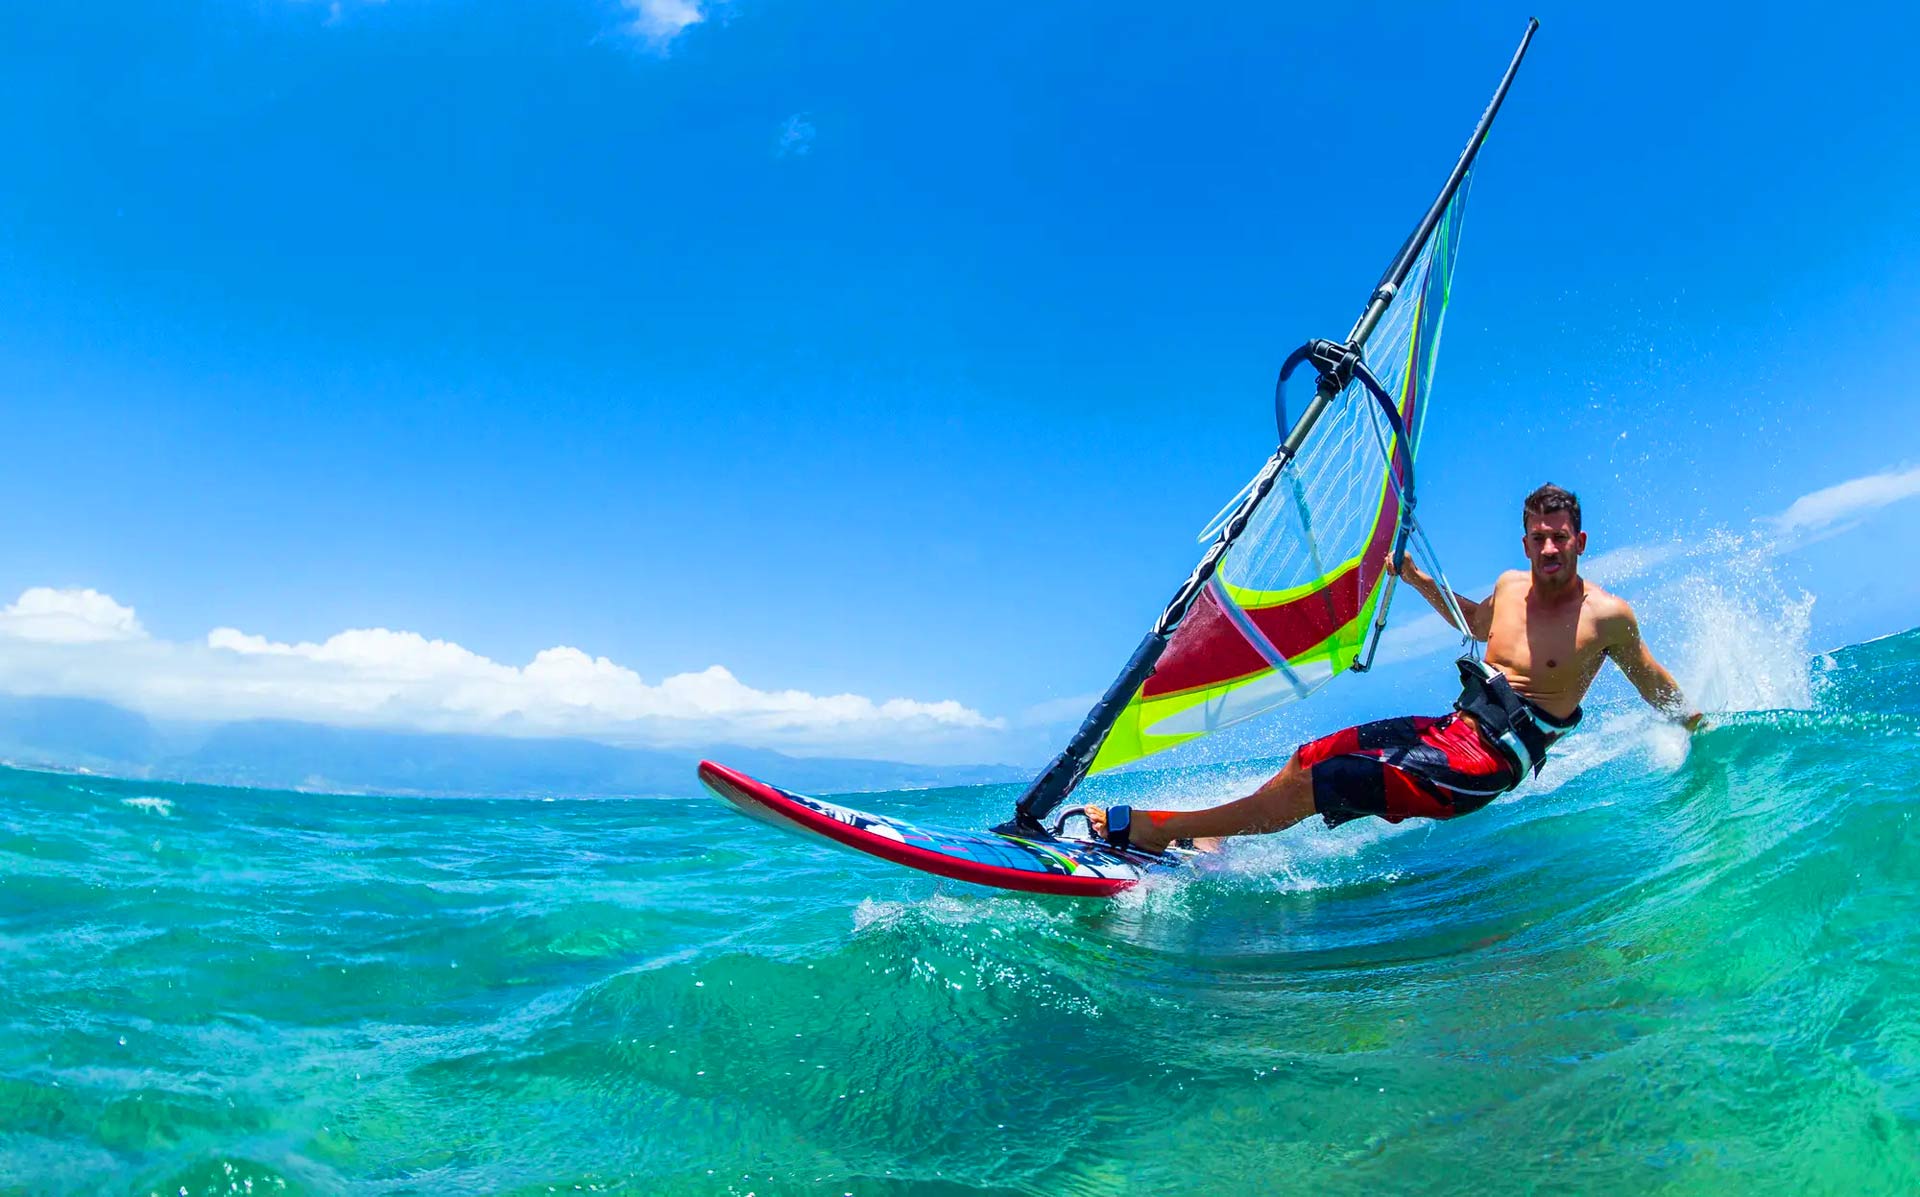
[1413,767]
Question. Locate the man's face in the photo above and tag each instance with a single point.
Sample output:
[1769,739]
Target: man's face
[1553,547]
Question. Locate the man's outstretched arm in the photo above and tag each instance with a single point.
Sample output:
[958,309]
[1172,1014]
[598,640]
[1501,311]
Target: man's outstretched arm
[1630,652]
[1479,614]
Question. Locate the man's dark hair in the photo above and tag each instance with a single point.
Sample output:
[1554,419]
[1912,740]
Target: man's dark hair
[1549,499]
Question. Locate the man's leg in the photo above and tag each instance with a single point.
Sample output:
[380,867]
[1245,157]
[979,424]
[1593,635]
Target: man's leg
[1284,800]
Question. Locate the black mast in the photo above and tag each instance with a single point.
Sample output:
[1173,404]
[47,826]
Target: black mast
[1335,364]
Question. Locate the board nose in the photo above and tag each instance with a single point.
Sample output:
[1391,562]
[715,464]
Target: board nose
[715,775]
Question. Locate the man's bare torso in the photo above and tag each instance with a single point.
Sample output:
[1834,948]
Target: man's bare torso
[1552,646]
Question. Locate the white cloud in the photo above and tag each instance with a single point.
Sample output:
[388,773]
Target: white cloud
[1856,496]
[660,21]
[81,643]
[796,137]
[68,616]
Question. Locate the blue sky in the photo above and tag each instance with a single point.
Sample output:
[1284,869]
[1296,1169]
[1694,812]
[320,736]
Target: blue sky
[892,351]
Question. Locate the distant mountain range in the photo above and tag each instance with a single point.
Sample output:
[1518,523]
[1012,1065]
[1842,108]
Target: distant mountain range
[70,733]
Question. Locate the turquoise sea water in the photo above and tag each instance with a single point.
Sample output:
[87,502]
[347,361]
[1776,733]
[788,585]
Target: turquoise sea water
[1664,969]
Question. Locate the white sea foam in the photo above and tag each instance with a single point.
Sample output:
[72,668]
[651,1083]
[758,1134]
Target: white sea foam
[939,908]
[157,806]
[954,908]
[1733,635]
[1743,637]
[1310,857]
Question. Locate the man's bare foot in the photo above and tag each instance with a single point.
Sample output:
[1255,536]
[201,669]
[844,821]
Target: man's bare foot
[1147,834]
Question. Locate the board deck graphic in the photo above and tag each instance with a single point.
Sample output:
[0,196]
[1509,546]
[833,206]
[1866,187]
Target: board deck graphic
[1043,865]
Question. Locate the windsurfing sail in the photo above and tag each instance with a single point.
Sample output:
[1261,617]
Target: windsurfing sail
[1293,589]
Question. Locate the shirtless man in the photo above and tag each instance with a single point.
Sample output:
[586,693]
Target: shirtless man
[1547,631]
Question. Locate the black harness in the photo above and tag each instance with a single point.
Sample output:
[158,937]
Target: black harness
[1515,726]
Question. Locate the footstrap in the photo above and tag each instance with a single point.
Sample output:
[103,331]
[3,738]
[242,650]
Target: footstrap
[1119,824]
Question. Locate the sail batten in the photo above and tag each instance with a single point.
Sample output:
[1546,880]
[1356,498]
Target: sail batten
[1288,595]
